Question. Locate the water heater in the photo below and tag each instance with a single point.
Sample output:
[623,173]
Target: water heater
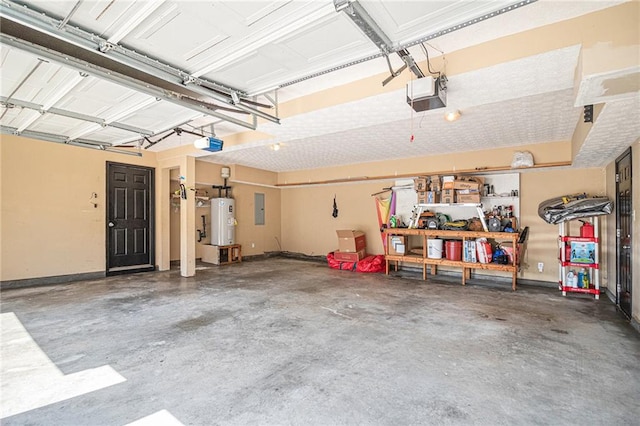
[223,221]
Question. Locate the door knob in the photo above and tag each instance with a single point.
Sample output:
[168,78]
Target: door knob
[111,224]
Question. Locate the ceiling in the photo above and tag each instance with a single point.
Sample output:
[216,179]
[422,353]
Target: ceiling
[122,74]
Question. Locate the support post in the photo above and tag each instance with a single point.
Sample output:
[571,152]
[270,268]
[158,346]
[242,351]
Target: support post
[188,218]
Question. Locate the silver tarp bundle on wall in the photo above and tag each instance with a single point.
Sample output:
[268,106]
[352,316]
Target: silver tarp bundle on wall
[560,209]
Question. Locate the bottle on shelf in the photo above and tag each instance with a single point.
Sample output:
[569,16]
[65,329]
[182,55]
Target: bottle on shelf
[585,278]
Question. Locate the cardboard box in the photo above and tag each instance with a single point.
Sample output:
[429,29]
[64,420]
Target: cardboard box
[434,183]
[427,197]
[351,241]
[466,191]
[447,196]
[397,245]
[349,257]
[420,184]
[583,252]
[472,198]
[466,184]
[448,182]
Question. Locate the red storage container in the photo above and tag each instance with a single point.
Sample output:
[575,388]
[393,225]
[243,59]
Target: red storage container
[586,230]
[454,250]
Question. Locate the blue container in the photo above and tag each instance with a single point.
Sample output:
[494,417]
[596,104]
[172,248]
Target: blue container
[580,279]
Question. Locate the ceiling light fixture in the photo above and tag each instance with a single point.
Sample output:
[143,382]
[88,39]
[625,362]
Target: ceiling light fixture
[275,146]
[452,115]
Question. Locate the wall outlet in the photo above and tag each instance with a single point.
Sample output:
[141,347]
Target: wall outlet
[540,266]
[253,245]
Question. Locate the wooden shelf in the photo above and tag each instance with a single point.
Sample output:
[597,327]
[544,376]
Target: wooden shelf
[434,263]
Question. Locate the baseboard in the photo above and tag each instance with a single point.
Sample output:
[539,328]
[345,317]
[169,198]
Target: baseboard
[610,296]
[57,279]
[302,256]
[263,256]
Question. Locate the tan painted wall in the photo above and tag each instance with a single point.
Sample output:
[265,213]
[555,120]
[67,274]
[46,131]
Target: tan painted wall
[255,239]
[174,217]
[258,239]
[308,227]
[48,226]
[539,186]
[542,153]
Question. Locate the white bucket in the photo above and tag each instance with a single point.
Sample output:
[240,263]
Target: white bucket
[434,249]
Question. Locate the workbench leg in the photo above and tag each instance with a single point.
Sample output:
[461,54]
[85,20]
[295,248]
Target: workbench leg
[386,269]
[464,276]
[424,271]
[513,282]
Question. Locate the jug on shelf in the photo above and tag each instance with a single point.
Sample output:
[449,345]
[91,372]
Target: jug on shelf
[586,230]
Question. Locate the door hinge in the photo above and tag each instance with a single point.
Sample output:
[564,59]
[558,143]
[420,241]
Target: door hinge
[617,177]
[617,233]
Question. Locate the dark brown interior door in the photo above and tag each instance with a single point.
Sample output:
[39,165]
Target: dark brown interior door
[624,218]
[129,218]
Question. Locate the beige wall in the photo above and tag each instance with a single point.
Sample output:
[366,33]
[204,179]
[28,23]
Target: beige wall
[471,160]
[255,239]
[48,227]
[538,186]
[309,228]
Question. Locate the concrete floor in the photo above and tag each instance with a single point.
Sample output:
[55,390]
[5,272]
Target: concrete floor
[283,341]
